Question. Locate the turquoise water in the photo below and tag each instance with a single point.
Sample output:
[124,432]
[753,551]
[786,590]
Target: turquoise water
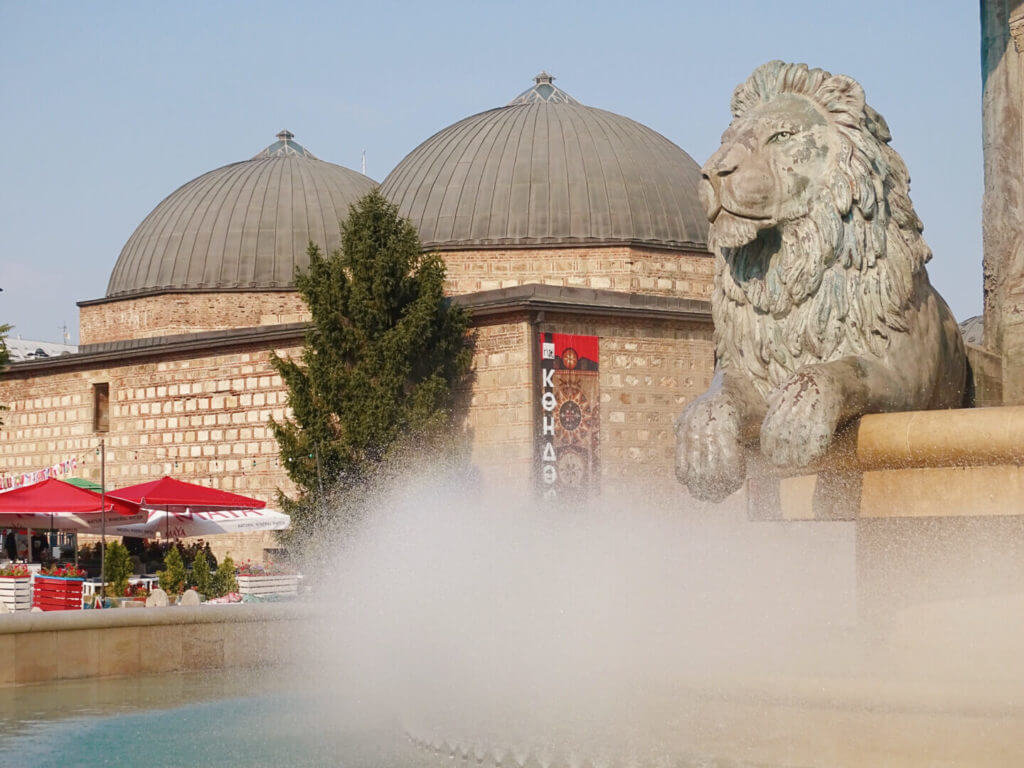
[188,719]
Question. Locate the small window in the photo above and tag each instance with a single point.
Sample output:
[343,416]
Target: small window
[101,407]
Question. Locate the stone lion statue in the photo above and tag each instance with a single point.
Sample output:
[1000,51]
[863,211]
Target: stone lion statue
[822,306]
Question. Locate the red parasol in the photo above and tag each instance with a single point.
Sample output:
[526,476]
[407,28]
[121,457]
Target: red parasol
[180,499]
[56,498]
[58,506]
[173,495]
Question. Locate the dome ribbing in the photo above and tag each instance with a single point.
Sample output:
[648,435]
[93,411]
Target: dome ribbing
[546,169]
[243,226]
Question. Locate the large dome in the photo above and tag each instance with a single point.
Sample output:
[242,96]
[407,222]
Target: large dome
[244,226]
[546,169]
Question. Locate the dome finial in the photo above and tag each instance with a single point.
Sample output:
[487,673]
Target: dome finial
[543,91]
[285,146]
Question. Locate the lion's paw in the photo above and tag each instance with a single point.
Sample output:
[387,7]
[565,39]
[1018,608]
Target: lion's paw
[802,418]
[709,458]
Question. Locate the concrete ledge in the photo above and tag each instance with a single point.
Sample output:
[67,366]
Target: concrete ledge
[963,437]
[66,645]
[69,621]
[954,463]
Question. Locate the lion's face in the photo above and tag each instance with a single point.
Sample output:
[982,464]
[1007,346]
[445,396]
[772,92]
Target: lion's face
[768,169]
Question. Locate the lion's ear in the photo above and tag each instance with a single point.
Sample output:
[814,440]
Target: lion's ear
[841,94]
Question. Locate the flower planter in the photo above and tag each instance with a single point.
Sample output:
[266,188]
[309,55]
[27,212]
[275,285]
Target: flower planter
[281,584]
[16,592]
[57,593]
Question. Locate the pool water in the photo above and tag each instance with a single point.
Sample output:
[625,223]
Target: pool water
[187,719]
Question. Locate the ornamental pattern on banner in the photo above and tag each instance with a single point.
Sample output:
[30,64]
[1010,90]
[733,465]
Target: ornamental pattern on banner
[570,416]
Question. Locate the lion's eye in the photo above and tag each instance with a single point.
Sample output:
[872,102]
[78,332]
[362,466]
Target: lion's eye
[780,136]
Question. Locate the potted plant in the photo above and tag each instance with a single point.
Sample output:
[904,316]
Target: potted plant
[117,570]
[201,578]
[16,587]
[223,581]
[269,579]
[173,578]
[58,588]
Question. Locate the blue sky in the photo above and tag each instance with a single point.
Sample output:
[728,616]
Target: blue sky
[108,107]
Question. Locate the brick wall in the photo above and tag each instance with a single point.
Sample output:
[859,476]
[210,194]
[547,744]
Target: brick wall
[201,419]
[174,313]
[649,370]
[499,420]
[620,268]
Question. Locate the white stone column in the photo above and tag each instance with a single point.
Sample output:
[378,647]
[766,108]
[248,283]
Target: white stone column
[1002,58]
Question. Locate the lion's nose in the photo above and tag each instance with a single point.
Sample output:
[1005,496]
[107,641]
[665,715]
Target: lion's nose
[721,164]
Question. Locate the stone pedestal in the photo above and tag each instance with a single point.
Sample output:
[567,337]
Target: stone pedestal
[937,498]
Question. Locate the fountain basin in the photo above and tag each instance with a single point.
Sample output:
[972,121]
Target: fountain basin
[44,647]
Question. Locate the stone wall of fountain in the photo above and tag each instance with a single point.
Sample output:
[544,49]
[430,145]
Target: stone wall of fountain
[69,645]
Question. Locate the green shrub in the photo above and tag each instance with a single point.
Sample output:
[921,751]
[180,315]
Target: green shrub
[117,568]
[173,578]
[224,578]
[201,579]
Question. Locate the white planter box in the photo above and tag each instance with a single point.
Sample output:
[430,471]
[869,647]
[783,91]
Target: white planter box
[268,585]
[16,593]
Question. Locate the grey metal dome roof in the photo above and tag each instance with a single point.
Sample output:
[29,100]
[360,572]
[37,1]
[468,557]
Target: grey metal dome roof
[545,169]
[244,226]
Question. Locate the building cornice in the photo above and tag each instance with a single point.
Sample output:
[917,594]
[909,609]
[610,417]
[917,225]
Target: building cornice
[481,304]
[584,301]
[697,249]
[183,291]
[133,350]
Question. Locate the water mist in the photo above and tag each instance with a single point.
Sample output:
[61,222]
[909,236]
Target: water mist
[632,630]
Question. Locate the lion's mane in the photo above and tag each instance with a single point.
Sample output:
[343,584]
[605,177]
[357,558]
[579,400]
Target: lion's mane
[838,281]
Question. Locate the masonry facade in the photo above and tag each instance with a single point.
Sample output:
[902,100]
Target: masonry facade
[197,406]
[553,218]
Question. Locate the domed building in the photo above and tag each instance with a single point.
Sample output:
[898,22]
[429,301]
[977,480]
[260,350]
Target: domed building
[548,190]
[577,239]
[221,251]
[573,235]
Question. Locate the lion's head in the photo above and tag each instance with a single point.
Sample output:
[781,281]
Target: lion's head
[810,208]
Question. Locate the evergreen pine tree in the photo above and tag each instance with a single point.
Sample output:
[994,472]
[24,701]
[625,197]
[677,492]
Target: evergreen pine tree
[173,579]
[201,574]
[117,568]
[223,579]
[382,359]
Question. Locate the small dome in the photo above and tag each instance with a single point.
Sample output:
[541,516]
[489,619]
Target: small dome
[545,169]
[246,225]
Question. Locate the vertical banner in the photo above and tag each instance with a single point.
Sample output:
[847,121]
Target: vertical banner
[570,420]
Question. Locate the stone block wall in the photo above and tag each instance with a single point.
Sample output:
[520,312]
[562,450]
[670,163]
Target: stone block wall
[69,645]
[649,370]
[619,268]
[499,419]
[628,269]
[176,313]
[201,415]
[201,418]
